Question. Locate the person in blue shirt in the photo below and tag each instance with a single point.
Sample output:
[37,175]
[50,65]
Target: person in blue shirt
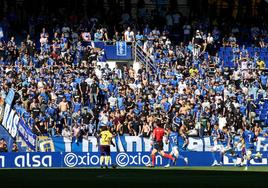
[173,140]
[111,86]
[98,36]
[31,121]
[222,143]
[139,38]
[77,105]
[263,79]
[166,106]
[248,138]
[121,102]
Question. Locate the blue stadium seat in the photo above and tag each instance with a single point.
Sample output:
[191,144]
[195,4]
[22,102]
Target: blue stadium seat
[263,116]
[264,50]
[257,49]
[266,122]
[228,49]
[250,49]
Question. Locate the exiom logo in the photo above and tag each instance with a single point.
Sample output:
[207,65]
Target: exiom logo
[73,160]
[33,161]
[124,159]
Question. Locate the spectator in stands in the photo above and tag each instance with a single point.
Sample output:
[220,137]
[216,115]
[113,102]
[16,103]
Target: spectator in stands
[15,147]
[3,145]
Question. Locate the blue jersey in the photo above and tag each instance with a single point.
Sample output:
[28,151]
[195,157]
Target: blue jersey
[248,137]
[225,139]
[173,138]
[77,106]
[215,134]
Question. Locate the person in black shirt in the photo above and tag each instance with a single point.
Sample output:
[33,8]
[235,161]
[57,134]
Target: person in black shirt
[83,91]
[36,127]
[93,91]
[86,117]
[129,103]
[176,105]
[35,111]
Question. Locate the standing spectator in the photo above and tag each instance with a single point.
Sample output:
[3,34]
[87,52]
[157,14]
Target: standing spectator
[3,145]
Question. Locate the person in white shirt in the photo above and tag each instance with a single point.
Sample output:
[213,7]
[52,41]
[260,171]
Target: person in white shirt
[89,80]
[182,85]
[127,35]
[222,122]
[118,71]
[112,101]
[244,64]
[98,72]
[206,104]
[103,118]
[210,39]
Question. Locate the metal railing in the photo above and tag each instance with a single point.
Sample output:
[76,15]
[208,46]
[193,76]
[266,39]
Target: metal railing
[143,57]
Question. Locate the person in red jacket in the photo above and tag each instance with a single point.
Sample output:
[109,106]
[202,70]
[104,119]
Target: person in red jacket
[158,134]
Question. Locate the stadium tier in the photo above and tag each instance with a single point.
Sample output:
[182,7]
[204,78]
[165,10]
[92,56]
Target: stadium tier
[92,91]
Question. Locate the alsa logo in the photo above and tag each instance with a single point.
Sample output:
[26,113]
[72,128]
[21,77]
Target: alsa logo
[33,161]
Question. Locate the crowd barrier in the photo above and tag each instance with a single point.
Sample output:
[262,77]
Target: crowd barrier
[120,159]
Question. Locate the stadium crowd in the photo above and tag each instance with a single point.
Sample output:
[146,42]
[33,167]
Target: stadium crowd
[190,86]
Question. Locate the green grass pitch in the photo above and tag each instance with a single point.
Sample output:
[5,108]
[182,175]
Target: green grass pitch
[136,177]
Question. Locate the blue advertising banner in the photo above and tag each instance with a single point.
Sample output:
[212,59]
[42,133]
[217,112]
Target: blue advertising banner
[121,48]
[120,159]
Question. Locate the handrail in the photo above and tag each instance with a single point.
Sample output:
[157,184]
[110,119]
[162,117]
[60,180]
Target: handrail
[143,57]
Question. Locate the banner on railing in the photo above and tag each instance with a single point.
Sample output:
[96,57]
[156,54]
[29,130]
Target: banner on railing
[120,159]
[26,134]
[10,118]
[12,121]
[121,48]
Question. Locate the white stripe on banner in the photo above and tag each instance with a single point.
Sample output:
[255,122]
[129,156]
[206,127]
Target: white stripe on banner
[119,146]
[147,144]
[93,141]
[207,143]
[130,140]
[68,144]
[85,145]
